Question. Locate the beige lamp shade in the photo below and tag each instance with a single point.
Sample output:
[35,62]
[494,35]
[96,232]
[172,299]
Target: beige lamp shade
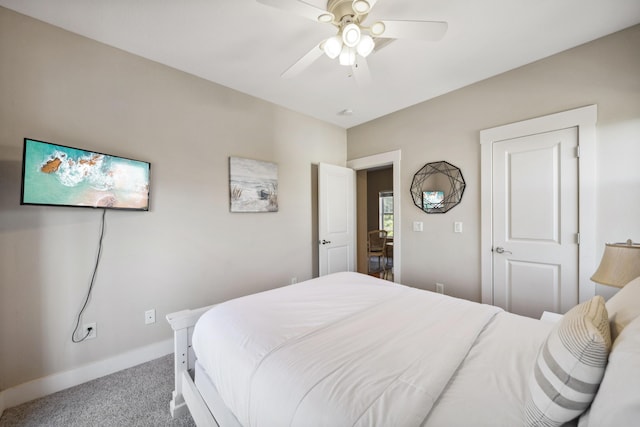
[620,264]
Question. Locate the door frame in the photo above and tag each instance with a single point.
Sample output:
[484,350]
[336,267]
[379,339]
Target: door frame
[390,158]
[584,119]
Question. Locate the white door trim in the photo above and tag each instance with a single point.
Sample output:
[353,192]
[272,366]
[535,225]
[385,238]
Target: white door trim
[584,119]
[385,159]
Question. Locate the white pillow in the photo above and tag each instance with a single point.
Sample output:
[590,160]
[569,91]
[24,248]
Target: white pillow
[569,366]
[624,306]
[618,400]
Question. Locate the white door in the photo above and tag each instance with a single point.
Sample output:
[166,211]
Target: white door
[535,223]
[336,219]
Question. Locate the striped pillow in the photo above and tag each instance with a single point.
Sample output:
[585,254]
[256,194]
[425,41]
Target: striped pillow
[569,366]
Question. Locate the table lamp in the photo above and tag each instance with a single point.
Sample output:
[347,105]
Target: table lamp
[620,264]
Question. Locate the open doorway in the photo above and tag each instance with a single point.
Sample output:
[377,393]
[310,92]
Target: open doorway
[375,242]
[389,160]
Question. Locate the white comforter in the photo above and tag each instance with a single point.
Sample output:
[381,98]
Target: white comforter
[341,350]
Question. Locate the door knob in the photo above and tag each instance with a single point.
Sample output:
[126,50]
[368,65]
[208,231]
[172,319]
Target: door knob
[501,250]
[325,242]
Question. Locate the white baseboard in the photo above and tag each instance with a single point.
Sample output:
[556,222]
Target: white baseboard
[40,387]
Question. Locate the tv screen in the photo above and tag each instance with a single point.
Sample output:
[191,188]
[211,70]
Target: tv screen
[56,175]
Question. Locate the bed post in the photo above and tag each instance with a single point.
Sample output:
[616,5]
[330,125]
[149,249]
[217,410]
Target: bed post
[182,323]
[180,365]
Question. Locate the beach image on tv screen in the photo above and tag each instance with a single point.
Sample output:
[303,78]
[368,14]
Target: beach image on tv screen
[58,175]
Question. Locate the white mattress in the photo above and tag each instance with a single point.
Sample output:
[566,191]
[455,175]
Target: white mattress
[348,349]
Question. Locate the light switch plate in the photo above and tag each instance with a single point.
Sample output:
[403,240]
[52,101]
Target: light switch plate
[417,225]
[457,227]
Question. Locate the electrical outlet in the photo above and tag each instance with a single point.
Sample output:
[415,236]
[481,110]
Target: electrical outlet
[90,334]
[440,288]
[150,316]
[293,280]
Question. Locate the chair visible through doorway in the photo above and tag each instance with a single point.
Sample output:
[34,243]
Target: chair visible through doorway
[376,246]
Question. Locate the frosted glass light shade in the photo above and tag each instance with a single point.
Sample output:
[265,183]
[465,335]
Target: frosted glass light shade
[325,18]
[351,35]
[333,46]
[378,28]
[361,6]
[347,56]
[366,45]
[620,264]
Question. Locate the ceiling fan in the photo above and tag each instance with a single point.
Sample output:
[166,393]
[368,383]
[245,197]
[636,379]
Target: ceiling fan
[354,41]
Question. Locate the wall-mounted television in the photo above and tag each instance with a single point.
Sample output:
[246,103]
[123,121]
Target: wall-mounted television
[57,175]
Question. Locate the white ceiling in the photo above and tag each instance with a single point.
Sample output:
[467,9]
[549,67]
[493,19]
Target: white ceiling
[246,45]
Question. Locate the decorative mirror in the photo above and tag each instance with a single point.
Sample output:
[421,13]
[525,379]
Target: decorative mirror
[437,187]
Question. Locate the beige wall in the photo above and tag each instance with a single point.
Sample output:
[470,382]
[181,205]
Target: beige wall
[605,72]
[377,180]
[361,221]
[188,251]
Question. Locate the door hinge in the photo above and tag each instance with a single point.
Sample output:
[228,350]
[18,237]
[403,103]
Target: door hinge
[578,152]
[578,238]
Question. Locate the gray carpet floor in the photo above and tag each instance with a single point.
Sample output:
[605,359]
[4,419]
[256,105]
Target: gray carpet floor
[137,396]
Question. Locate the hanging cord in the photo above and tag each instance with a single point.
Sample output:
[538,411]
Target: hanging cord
[93,279]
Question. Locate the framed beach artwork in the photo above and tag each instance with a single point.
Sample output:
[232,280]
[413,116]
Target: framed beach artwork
[253,185]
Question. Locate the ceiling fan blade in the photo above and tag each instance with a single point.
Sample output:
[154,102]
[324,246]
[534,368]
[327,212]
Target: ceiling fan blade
[299,8]
[360,72]
[382,43]
[419,30]
[302,63]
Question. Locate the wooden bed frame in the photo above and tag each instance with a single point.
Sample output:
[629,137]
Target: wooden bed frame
[186,396]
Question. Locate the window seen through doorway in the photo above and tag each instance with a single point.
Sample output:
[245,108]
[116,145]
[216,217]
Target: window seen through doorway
[386,212]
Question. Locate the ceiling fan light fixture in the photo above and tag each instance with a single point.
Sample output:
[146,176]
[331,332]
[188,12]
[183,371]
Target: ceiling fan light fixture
[347,56]
[377,29]
[326,18]
[366,45]
[361,7]
[333,46]
[351,35]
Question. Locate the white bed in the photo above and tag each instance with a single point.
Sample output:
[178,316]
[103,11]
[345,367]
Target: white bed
[351,350]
